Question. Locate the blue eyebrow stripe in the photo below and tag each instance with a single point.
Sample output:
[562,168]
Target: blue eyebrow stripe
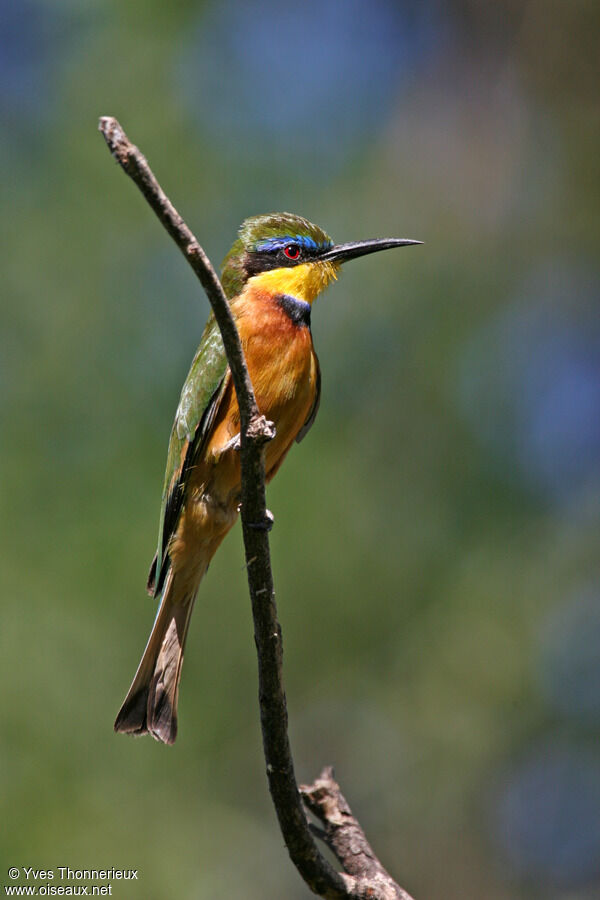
[278,243]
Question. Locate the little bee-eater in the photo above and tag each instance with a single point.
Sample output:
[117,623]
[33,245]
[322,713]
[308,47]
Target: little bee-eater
[275,270]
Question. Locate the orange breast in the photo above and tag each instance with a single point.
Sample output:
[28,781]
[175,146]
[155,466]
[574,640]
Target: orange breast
[283,368]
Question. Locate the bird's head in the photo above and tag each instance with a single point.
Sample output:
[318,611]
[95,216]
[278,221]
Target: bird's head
[286,254]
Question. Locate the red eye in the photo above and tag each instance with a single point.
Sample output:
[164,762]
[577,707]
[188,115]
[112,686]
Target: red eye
[292,251]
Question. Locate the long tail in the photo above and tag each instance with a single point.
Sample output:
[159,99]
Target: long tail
[151,703]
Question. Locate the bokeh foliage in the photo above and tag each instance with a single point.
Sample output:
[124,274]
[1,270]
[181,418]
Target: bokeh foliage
[436,539]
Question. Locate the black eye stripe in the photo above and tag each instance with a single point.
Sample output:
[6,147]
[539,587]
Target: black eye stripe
[256,261]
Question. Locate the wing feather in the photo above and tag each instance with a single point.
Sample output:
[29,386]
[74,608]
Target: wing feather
[200,397]
[314,408]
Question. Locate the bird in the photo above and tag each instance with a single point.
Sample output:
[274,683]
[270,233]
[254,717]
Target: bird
[273,273]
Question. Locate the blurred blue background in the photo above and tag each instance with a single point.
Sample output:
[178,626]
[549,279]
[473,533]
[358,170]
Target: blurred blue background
[436,540]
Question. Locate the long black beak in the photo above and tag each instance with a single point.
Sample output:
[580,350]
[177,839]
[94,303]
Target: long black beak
[343,252]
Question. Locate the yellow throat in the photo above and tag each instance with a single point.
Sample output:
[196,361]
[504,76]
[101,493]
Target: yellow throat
[305,281]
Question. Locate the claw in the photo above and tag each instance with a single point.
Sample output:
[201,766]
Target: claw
[233,444]
[265,525]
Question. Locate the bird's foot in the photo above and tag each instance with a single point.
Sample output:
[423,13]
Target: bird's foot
[265,525]
[260,429]
[234,443]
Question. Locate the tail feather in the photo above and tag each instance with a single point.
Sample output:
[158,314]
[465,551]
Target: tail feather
[151,702]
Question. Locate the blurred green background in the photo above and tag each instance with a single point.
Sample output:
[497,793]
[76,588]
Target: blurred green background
[436,541]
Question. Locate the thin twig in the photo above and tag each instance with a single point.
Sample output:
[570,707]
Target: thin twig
[134,163]
[255,431]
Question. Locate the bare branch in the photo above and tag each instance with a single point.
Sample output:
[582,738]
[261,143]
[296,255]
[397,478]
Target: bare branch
[134,163]
[344,836]
[256,522]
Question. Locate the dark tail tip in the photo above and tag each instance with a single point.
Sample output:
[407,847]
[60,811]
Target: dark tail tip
[161,713]
[148,712]
[131,718]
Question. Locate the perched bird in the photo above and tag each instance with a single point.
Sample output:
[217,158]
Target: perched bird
[271,276]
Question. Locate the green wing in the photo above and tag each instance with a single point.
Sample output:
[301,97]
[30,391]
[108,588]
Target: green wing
[200,397]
